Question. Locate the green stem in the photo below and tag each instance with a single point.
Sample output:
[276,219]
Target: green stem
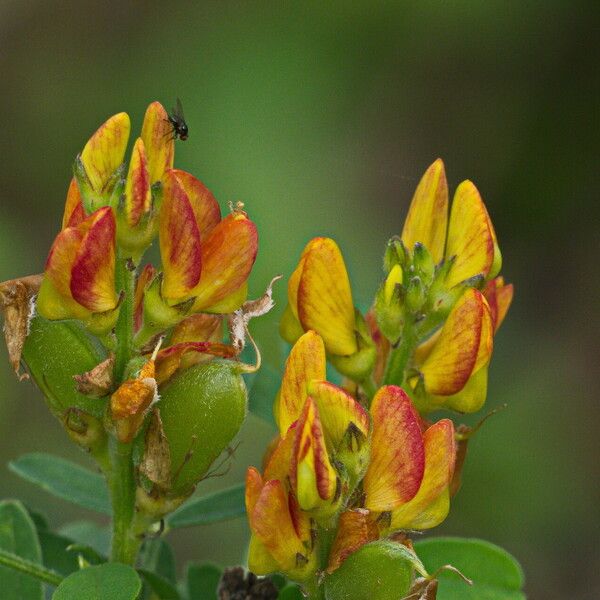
[369,387]
[125,276]
[12,561]
[394,373]
[125,542]
[121,478]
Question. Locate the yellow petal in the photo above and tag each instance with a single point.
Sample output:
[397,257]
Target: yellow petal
[499,297]
[472,397]
[338,411]
[105,150]
[440,453]
[452,359]
[289,326]
[305,363]
[74,211]
[397,451]
[230,303]
[470,236]
[434,514]
[325,299]
[427,217]
[260,560]
[157,133]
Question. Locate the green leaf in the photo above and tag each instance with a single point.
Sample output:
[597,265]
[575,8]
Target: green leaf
[290,592]
[162,587]
[64,479]
[202,581]
[496,575]
[220,506]
[157,556]
[88,534]
[18,536]
[111,581]
[55,554]
[379,570]
[262,389]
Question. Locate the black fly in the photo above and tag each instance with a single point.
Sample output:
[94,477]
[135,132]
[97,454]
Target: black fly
[177,120]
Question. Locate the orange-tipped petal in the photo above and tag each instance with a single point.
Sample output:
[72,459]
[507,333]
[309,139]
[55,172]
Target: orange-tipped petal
[271,522]
[470,236]
[169,359]
[355,529]
[138,197]
[228,254]
[105,150]
[306,362]
[279,463]
[324,298]
[254,486]
[198,328]
[93,271]
[440,454]
[312,476]
[74,211]
[499,297]
[452,359]
[427,217]
[338,410]
[146,275]
[179,239]
[205,207]
[397,451]
[157,133]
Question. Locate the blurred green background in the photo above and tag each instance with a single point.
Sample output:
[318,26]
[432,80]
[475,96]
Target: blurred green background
[321,117]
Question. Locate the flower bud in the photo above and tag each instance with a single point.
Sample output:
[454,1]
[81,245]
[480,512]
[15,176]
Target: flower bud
[395,254]
[423,264]
[202,409]
[389,304]
[416,294]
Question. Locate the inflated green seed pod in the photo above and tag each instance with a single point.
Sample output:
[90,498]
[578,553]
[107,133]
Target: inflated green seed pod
[202,409]
[54,352]
[376,570]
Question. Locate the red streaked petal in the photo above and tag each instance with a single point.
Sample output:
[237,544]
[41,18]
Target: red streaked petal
[61,258]
[228,254]
[427,217]
[355,529]
[397,451]
[93,271]
[305,363]
[157,133]
[452,359]
[254,485]
[205,207]
[137,186]
[312,476]
[74,211]
[179,239]
[440,455]
[499,297]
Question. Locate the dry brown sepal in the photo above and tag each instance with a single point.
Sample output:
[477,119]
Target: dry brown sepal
[16,302]
[156,462]
[98,382]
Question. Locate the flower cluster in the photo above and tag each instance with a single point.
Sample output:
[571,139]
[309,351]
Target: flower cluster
[103,313]
[364,460]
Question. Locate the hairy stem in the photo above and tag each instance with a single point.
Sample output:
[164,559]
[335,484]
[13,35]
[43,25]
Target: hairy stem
[399,357]
[12,561]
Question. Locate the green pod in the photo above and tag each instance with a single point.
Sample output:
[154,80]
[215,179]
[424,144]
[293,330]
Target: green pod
[377,570]
[54,351]
[202,409]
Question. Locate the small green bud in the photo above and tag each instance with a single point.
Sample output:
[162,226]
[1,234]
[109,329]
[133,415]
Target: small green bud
[389,305]
[395,254]
[416,294]
[353,453]
[423,264]
[202,409]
